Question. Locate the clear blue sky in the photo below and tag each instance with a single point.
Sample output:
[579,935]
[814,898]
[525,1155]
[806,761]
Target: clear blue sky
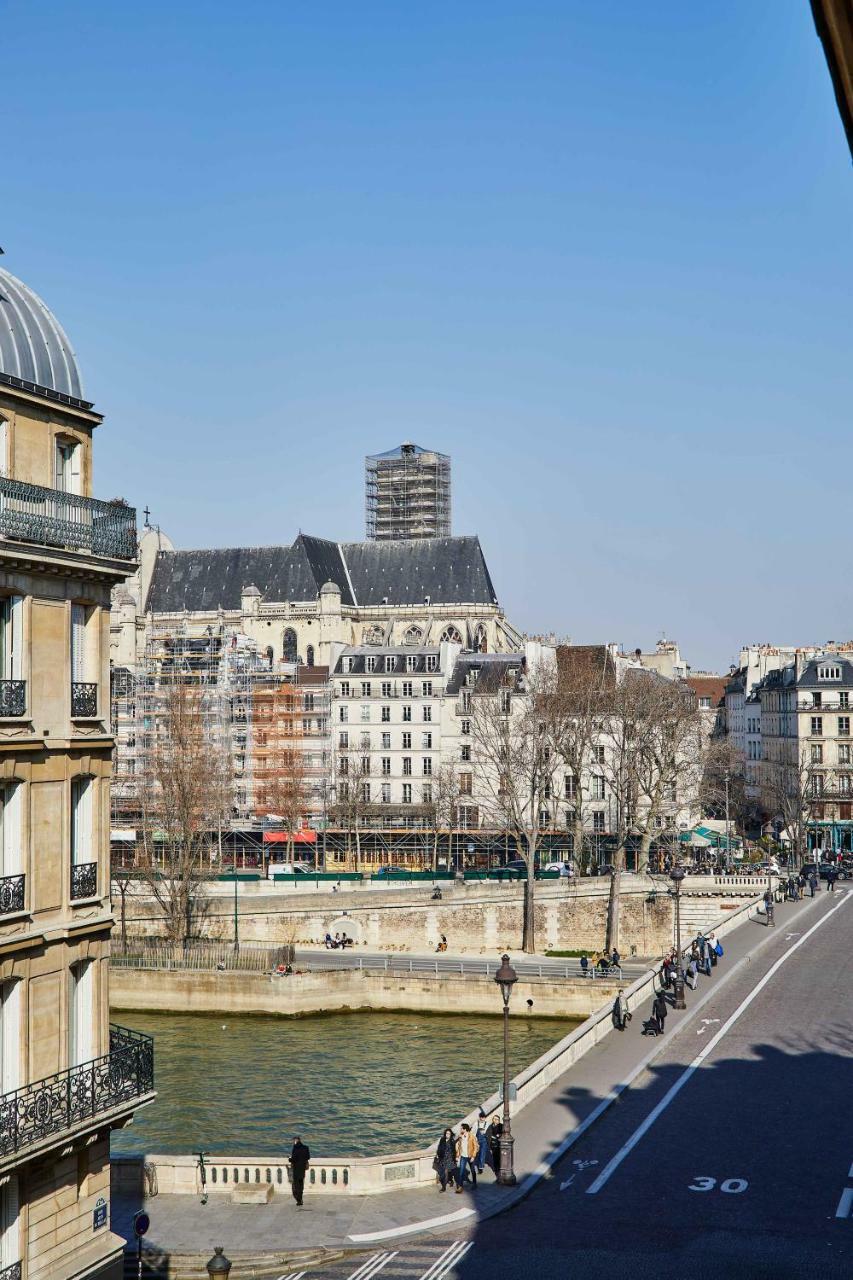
[600,253]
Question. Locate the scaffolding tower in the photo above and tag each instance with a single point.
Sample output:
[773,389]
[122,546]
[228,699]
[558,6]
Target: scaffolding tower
[407,494]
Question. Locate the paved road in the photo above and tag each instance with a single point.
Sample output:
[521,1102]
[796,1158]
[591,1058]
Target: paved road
[544,968]
[740,1165]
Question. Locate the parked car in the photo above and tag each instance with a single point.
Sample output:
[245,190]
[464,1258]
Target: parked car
[389,871]
[564,868]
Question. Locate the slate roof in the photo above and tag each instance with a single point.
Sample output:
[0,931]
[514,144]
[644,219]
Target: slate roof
[809,677]
[492,669]
[448,570]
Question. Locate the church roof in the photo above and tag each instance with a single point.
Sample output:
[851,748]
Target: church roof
[447,570]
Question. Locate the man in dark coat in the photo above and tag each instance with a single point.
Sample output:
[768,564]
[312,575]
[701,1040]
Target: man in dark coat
[299,1157]
[659,1012]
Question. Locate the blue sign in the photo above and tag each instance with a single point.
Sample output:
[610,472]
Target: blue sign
[100,1214]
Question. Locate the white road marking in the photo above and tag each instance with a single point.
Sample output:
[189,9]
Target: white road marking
[455,1253]
[640,1132]
[568,1182]
[373,1266]
[845,1204]
[292,1275]
[850,1174]
[427,1225]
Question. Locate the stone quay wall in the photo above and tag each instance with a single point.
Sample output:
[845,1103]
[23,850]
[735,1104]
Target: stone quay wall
[476,918]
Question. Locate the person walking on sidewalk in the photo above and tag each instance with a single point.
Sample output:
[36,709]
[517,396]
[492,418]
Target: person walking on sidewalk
[493,1137]
[621,1013]
[831,877]
[812,884]
[768,907]
[299,1157]
[466,1156]
[445,1159]
[659,1012]
[482,1142]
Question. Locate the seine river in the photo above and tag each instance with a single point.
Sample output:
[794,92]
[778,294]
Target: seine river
[350,1084]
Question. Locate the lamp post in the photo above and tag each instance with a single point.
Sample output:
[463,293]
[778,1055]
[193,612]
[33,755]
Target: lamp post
[506,978]
[218,1266]
[676,875]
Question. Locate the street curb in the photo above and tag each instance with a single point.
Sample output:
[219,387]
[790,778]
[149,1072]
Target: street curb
[193,1266]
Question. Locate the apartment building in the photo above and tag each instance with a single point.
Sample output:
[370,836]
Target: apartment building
[67,1077]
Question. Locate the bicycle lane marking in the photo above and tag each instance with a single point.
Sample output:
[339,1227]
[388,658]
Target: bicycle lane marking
[642,1129]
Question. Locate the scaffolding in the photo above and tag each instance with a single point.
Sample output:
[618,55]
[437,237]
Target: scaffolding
[407,494]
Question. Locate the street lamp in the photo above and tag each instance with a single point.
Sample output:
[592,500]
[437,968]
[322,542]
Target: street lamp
[506,978]
[219,1265]
[676,875]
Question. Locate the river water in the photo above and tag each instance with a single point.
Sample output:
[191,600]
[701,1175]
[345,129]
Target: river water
[349,1083]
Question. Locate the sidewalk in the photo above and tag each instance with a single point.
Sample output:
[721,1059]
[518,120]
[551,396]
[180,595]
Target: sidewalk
[545,1129]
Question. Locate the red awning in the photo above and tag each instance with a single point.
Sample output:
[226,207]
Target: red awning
[296,837]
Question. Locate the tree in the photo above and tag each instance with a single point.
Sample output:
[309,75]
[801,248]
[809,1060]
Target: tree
[351,796]
[443,809]
[514,761]
[793,792]
[185,785]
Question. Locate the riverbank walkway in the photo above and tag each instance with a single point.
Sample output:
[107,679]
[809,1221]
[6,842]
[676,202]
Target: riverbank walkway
[544,1132]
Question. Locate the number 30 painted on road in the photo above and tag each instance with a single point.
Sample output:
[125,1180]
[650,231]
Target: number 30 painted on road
[732,1186]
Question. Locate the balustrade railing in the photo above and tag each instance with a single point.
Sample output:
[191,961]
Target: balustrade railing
[13,702]
[13,1272]
[52,518]
[84,701]
[11,899]
[70,1097]
[84,880]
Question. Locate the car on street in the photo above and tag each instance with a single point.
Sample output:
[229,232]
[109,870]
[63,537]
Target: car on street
[390,870]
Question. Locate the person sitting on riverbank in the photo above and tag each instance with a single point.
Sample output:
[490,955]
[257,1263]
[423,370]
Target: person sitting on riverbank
[442,946]
[330,942]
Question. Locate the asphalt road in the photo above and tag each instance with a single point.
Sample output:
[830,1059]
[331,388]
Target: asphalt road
[739,1167]
[545,968]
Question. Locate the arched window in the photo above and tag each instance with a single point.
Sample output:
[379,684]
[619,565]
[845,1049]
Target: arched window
[288,645]
[413,635]
[309,655]
[480,642]
[451,635]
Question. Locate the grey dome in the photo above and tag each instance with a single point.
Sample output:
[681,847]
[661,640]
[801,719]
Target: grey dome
[33,344]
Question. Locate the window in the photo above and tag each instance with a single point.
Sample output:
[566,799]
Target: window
[370,663]
[81,1009]
[427,713]
[348,663]
[466,752]
[407,742]
[426,793]
[469,817]
[407,766]
[466,727]
[571,786]
[506,702]
[386,688]
[365,793]
[82,840]
[386,742]
[844,784]
[844,699]
[343,766]
[597,787]
[426,742]
[386,715]
[432,662]
[598,754]
[817,699]
[83,640]
[705,703]
[466,700]
[343,689]
[407,713]
[452,635]
[844,756]
[309,655]
[407,793]
[386,792]
[365,742]
[817,726]
[343,714]
[288,647]
[466,784]
[390,662]
[817,752]
[844,726]
[407,688]
[10,1039]
[365,712]
[427,766]
[426,688]
[365,688]
[598,821]
[411,662]
[824,673]
[413,635]
[816,784]
[11,646]
[386,766]
[67,466]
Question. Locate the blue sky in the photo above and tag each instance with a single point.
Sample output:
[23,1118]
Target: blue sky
[599,253]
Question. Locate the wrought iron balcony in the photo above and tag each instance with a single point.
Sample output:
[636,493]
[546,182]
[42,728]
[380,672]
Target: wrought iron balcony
[70,1098]
[52,518]
[11,1273]
[13,702]
[11,899]
[84,880]
[84,701]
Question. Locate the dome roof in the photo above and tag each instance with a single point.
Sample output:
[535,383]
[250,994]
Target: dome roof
[33,344]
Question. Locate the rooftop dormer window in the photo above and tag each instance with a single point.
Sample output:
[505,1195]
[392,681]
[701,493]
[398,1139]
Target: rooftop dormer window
[829,673]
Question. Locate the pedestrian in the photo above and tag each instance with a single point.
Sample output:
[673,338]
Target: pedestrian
[801,887]
[659,1012]
[615,959]
[621,1013]
[493,1137]
[584,965]
[704,958]
[445,1158]
[482,1143]
[768,907]
[712,949]
[812,884]
[299,1157]
[831,877]
[692,975]
[466,1156]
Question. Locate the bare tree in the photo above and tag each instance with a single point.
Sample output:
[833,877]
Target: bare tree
[286,792]
[351,796]
[443,809]
[515,764]
[186,780]
[794,793]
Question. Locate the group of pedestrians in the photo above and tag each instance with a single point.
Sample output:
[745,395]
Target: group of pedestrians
[705,952]
[461,1156]
[604,962]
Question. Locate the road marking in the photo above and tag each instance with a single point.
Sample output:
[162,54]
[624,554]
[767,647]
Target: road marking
[292,1275]
[845,1204]
[850,1174]
[373,1266]
[426,1225]
[640,1132]
[455,1253]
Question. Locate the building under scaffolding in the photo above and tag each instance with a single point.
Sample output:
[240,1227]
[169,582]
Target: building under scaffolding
[407,494]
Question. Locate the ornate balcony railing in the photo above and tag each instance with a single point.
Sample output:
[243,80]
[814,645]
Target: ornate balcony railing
[13,702]
[52,518]
[11,1273]
[70,1097]
[84,880]
[11,899]
[84,701]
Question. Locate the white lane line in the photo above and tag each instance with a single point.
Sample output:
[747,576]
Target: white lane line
[845,1204]
[682,1080]
[448,1259]
[427,1225]
[373,1266]
[850,1174]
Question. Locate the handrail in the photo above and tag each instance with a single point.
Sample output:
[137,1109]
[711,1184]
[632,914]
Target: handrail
[52,518]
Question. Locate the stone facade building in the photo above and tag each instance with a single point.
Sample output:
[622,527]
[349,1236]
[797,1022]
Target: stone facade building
[66,1077]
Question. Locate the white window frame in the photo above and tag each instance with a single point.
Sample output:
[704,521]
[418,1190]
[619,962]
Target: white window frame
[11,835]
[11,637]
[10,1223]
[67,456]
[81,1013]
[82,826]
[11,1020]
